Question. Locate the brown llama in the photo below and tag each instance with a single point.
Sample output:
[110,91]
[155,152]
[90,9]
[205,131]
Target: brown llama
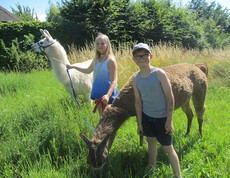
[187,80]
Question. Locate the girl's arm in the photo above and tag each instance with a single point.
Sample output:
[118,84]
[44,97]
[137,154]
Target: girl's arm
[112,66]
[87,70]
[167,89]
[138,107]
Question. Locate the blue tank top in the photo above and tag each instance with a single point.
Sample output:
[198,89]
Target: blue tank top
[102,82]
[152,95]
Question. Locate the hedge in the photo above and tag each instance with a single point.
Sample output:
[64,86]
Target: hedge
[14,35]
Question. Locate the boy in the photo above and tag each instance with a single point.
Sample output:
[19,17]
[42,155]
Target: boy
[154,104]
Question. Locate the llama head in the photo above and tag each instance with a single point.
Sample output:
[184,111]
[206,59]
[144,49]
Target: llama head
[43,43]
[97,151]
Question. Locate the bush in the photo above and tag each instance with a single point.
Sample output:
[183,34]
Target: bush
[11,30]
[16,41]
[17,57]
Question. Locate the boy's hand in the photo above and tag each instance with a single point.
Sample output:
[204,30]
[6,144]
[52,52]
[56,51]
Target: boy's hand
[169,127]
[140,130]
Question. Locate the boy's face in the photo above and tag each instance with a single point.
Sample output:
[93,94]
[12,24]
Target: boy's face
[142,57]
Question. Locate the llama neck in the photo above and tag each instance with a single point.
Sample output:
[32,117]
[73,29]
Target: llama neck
[58,58]
[116,114]
[110,122]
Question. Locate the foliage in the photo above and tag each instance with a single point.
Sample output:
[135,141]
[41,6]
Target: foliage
[18,57]
[199,26]
[24,13]
[15,45]
[91,17]
[53,14]
[151,21]
[40,126]
[12,30]
[215,20]
[213,11]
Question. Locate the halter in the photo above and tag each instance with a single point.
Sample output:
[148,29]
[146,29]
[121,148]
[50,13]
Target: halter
[98,168]
[101,167]
[42,48]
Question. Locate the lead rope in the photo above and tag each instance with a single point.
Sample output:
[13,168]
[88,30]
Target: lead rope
[42,49]
[75,97]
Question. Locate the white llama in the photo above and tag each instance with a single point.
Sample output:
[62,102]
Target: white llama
[82,83]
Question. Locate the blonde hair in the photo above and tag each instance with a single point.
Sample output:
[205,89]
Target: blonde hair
[109,51]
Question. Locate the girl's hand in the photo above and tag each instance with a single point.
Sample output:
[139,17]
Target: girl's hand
[105,99]
[68,66]
[169,127]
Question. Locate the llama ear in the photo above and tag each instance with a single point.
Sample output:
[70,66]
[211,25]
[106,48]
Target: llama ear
[42,32]
[48,35]
[85,138]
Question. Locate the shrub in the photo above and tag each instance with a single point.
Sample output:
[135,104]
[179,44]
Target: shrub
[17,57]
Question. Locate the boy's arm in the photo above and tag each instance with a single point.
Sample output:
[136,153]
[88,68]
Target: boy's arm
[138,106]
[167,89]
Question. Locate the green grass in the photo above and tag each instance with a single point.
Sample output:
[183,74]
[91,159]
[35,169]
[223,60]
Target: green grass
[40,126]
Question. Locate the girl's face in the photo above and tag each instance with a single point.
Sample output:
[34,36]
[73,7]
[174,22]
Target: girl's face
[101,46]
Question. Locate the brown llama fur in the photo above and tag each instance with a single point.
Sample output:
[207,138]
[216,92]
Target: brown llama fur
[187,81]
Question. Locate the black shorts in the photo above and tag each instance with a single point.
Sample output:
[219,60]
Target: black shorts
[155,127]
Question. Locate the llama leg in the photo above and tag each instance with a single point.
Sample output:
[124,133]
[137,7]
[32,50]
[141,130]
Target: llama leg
[189,113]
[200,116]
[198,101]
[87,98]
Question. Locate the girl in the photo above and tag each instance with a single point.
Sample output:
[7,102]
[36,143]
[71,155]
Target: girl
[105,72]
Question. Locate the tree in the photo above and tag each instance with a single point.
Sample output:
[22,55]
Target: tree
[93,16]
[205,11]
[150,21]
[54,13]
[24,13]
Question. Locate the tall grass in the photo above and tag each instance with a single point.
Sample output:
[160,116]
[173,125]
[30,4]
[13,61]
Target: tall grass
[40,124]
[218,60]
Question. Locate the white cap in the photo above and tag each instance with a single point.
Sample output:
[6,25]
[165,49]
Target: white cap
[141,46]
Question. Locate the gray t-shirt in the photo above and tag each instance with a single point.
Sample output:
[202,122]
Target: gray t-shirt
[152,95]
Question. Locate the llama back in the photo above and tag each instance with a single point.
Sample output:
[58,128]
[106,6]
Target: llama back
[203,67]
[185,79]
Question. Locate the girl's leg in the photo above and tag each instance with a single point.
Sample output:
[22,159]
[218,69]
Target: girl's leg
[152,150]
[173,159]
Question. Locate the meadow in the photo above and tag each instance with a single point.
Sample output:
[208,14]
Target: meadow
[40,123]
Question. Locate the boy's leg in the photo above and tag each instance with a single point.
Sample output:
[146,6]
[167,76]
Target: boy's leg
[152,150]
[173,159]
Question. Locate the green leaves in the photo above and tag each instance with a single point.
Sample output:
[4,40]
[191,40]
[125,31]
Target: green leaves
[19,57]
[24,13]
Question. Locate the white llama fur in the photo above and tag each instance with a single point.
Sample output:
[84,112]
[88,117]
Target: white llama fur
[82,83]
